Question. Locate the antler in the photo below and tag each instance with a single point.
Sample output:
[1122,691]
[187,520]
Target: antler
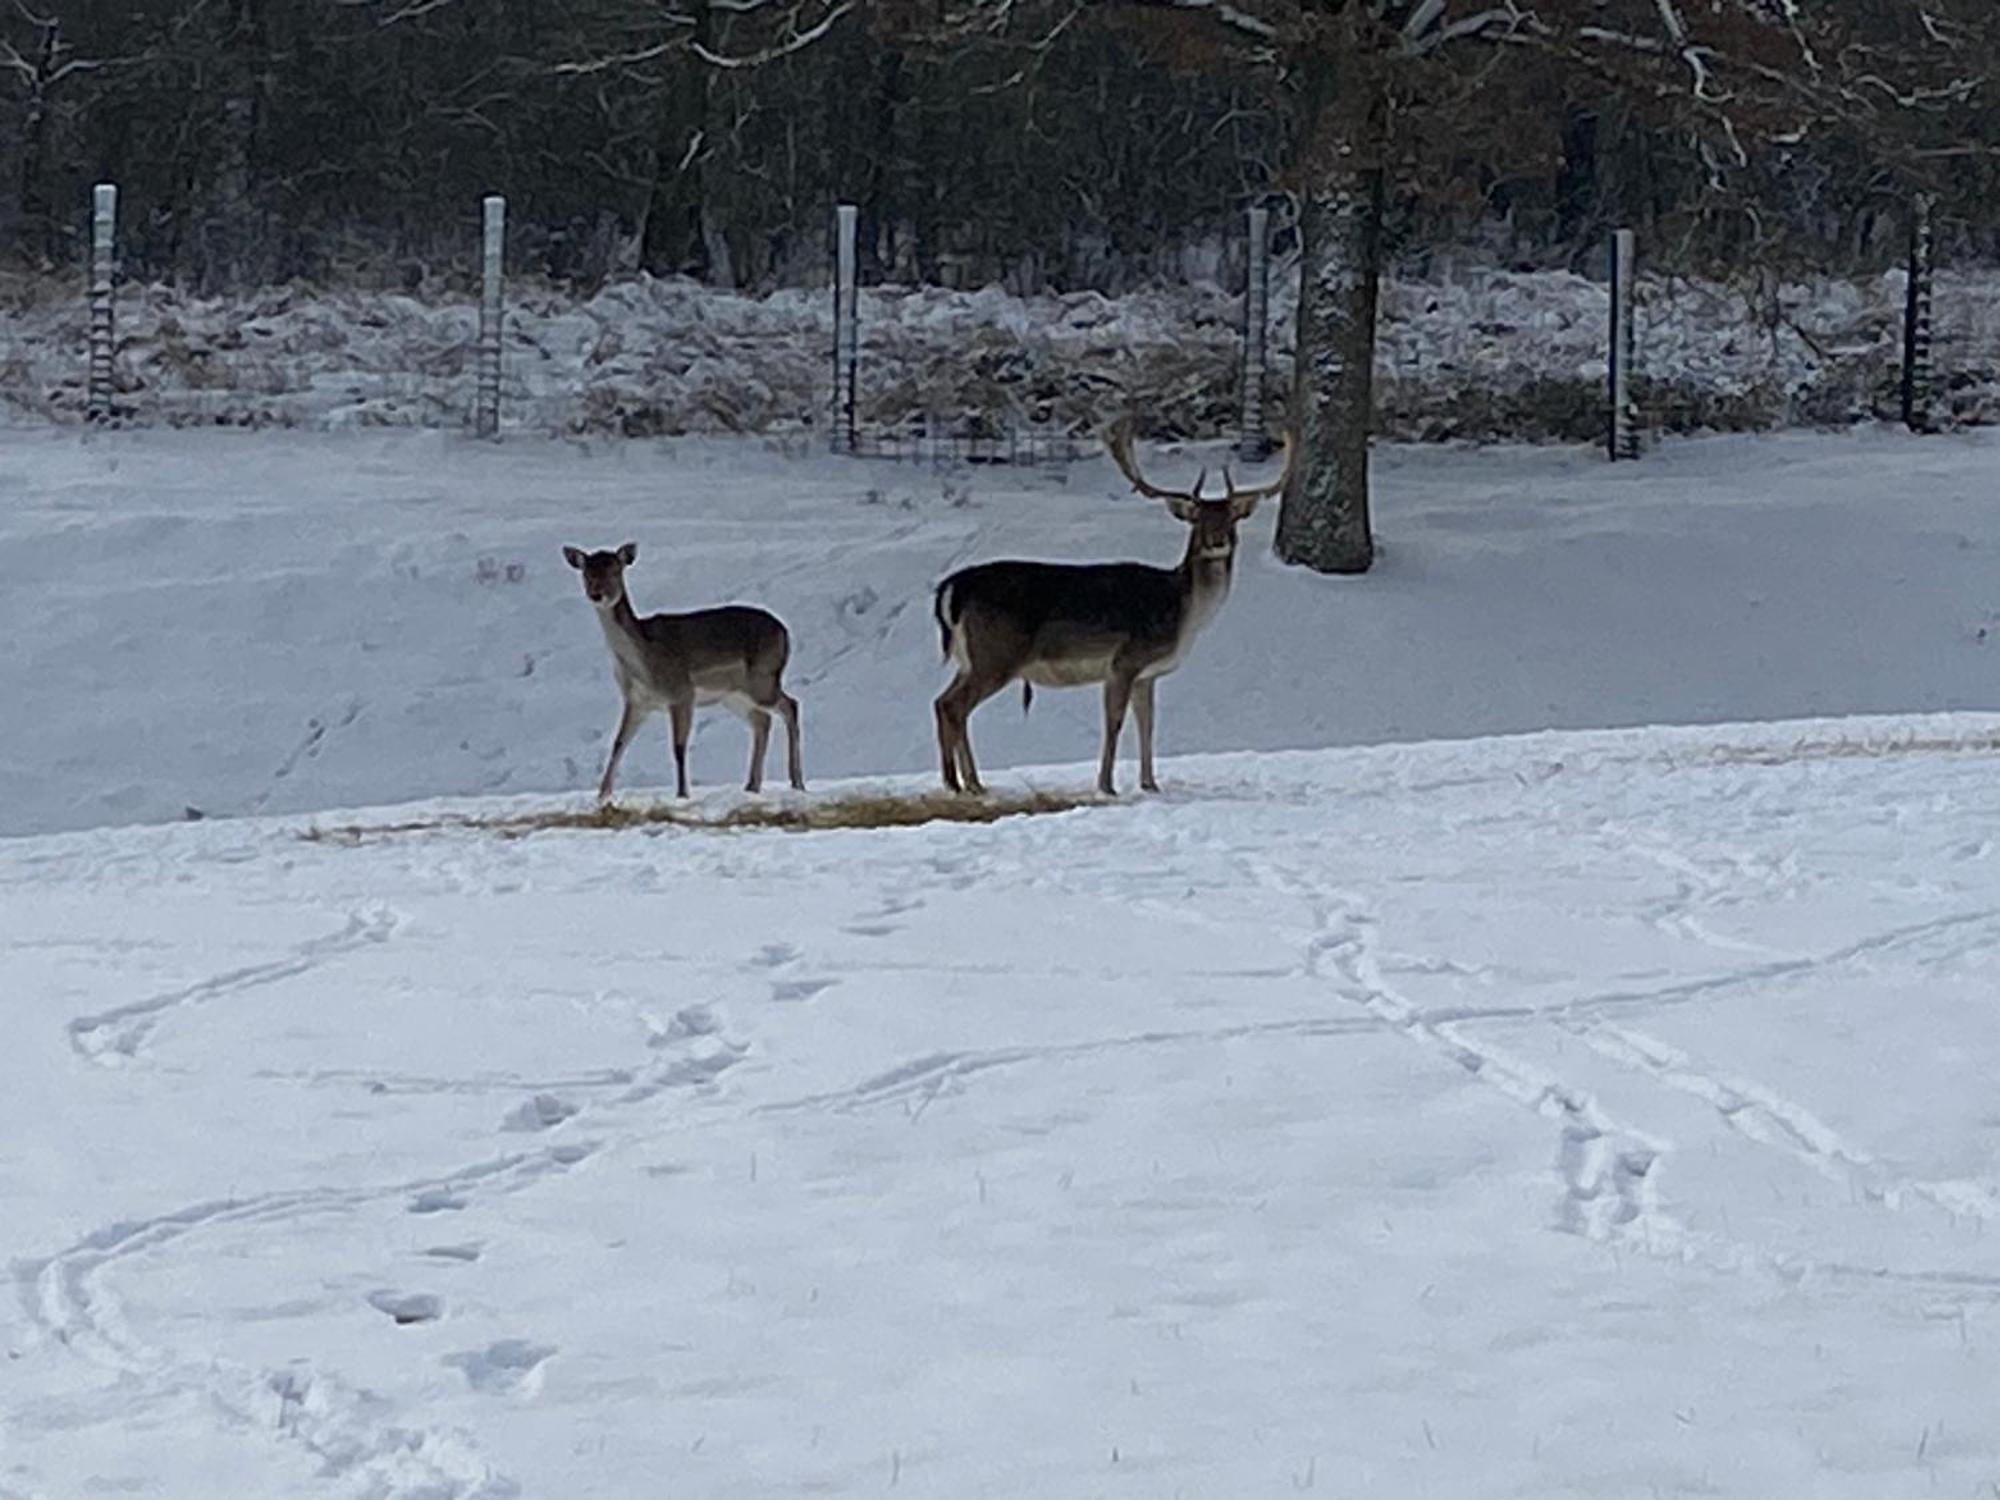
[1257,492]
[1119,441]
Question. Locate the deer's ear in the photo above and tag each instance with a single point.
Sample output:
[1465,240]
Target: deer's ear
[629,553]
[1240,507]
[1185,511]
[573,557]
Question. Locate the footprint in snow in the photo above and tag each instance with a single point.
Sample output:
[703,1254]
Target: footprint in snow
[407,1307]
[463,1254]
[543,1112]
[437,1201]
[508,1365]
[689,1022]
[790,991]
[877,923]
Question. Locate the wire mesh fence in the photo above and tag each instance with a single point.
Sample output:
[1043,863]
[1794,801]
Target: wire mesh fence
[1465,351]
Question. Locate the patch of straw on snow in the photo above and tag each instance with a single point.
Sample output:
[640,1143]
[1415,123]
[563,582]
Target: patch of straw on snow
[856,810]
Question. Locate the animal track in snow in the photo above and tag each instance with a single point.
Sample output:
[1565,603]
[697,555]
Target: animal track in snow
[509,1365]
[690,1021]
[118,1035]
[880,922]
[685,1072]
[791,991]
[925,1078]
[1761,1114]
[404,1308]
[543,1112]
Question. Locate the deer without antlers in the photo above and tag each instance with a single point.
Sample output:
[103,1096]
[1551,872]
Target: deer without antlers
[1123,624]
[734,655]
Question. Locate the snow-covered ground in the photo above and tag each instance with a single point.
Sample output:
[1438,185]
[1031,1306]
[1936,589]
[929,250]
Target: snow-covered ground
[239,624]
[1599,1113]
[1604,1115]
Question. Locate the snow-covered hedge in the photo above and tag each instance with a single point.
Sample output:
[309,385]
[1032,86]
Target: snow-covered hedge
[1484,354]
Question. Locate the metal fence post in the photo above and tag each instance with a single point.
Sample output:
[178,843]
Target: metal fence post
[1251,441]
[486,409]
[1918,383]
[1623,437]
[846,329]
[103,231]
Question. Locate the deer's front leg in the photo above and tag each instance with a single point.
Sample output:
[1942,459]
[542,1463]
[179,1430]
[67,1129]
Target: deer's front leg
[1142,710]
[628,722]
[1117,694]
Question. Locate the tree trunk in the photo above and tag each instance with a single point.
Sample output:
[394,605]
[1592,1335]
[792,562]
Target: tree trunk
[230,230]
[672,241]
[1323,522]
[38,224]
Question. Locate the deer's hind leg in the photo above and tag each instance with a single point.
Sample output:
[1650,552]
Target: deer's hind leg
[788,710]
[767,696]
[680,717]
[989,651]
[954,708]
[760,739]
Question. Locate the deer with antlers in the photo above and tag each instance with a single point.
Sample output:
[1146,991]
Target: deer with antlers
[1123,624]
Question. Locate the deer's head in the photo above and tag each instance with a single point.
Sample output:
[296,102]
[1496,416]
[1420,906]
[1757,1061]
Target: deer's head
[603,572]
[1214,518]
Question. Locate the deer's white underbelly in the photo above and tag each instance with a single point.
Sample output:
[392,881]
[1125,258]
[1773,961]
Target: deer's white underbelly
[1076,671]
[652,699]
[735,702]
[1068,671]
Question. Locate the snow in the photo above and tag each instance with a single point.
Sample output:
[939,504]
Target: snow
[1598,1111]
[234,624]
[1575,1115]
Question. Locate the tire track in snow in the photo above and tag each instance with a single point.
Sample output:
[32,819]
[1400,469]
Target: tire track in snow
[116,1036]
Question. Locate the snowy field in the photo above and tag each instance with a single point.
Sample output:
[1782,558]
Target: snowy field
[1596,1113]
[240,624]
[1579,1116]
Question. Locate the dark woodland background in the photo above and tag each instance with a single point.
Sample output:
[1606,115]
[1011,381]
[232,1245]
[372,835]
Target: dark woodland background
[259,141]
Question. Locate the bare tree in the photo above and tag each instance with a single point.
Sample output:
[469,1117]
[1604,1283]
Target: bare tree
[1731,73]
[48,65]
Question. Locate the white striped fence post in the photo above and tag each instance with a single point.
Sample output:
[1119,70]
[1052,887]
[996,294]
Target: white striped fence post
[1250,439]
[1623,436]
[846,326]
[1918,347]
[486,408]
[103,238]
